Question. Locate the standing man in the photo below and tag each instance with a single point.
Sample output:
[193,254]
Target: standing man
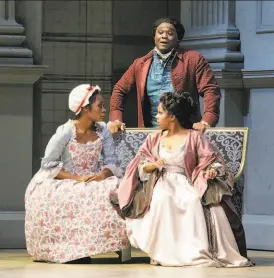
[168,68]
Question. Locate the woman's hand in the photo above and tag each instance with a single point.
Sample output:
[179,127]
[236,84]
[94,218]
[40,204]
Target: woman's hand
[84,178]
[104,174]
[150,167]
[115,126]
[95,177]
[210,174]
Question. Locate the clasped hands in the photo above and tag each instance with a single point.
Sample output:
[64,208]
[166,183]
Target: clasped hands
[94,177]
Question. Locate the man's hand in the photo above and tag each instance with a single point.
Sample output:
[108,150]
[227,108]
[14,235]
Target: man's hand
[115,127]
[201,126]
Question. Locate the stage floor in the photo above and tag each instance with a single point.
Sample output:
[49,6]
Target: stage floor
[17,264]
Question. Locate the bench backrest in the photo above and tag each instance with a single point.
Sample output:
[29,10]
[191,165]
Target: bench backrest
[231,142]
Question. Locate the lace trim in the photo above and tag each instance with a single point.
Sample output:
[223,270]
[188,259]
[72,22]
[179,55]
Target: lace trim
[74,136]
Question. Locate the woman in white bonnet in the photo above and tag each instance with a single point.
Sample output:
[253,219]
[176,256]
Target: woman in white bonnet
[68,213]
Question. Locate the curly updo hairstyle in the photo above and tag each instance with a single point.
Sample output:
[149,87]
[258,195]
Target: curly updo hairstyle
[181,105]
[180,30]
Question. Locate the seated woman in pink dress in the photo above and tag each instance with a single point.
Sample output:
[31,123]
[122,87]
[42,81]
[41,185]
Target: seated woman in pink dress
[68,214]
[171,194]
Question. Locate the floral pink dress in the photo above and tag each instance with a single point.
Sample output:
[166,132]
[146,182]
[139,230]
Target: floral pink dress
[67,220]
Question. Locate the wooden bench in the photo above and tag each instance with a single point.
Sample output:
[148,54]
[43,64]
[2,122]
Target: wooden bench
[231,142]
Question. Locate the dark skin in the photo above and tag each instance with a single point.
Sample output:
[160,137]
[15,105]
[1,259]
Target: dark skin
[165,37]
[95,112]
[174,136]
[165,40]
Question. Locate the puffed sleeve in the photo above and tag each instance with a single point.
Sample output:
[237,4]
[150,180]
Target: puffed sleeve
[108,151]
[52,163]
[55,148]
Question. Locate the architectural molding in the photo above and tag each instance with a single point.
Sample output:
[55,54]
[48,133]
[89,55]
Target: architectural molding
[74,37]
[20,74]
[12,215]
[12,231]
[97,38]
[68,77]
[212,31]
[12,37]
[229,79]
[62,83]
[261,27]
[221,52]
[15,29]
[244,79]
[253,79]
[259,231]
[209,33]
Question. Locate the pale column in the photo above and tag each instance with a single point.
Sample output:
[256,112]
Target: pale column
[2,11]
[11,11]
[17,78]
[12,37]
[211,29]
[206,14]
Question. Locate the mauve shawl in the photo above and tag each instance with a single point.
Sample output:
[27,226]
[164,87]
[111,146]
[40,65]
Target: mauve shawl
[200,154]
